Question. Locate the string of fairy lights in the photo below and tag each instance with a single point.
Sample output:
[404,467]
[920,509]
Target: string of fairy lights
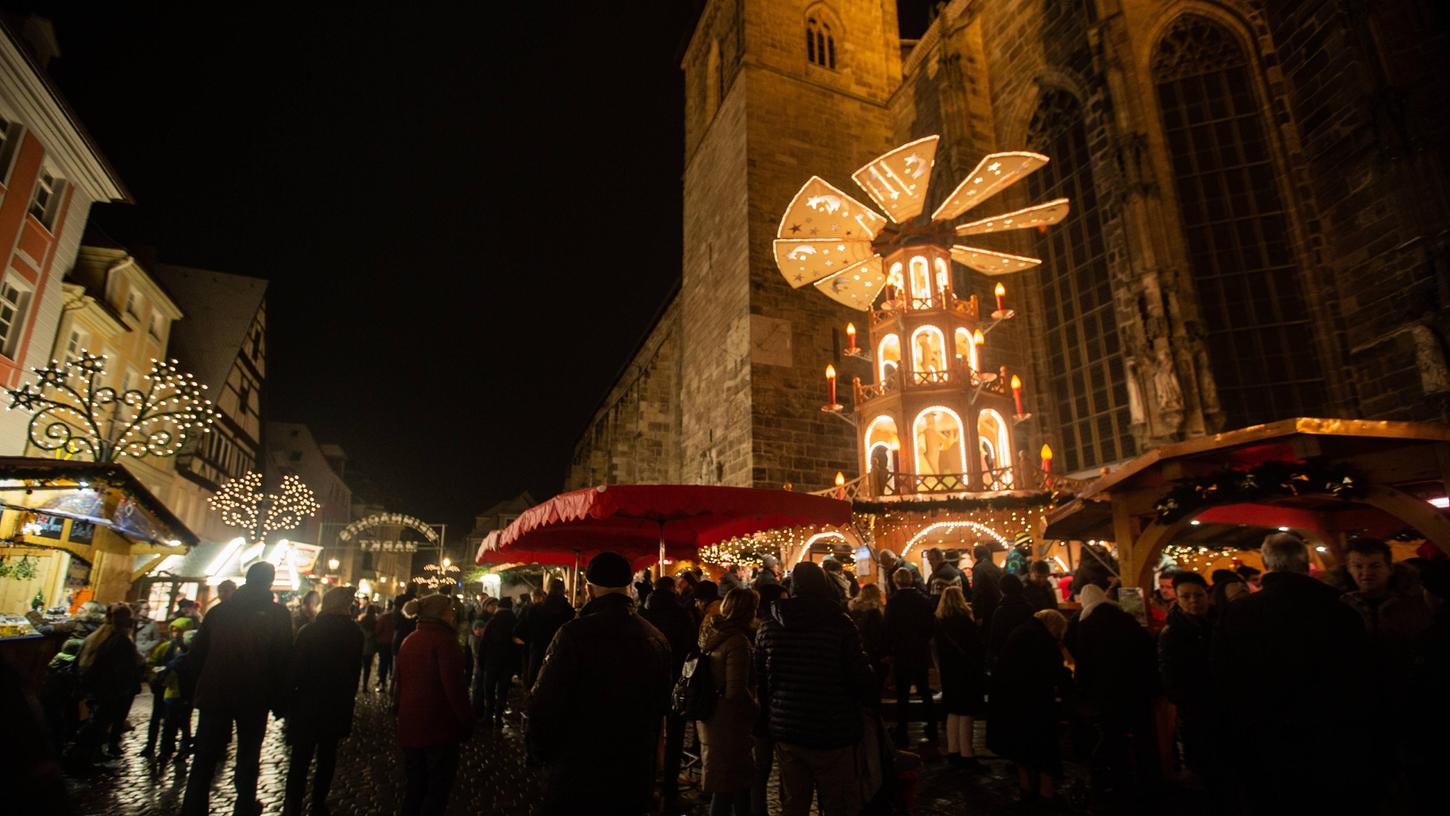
[241,502]
[76,413]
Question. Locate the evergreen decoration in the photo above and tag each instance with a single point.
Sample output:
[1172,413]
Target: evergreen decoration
[1017,501]
[1267,481]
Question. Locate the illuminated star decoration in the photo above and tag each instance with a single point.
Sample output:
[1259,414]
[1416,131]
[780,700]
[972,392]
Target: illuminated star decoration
[76,413]
[242,503]
[845,264]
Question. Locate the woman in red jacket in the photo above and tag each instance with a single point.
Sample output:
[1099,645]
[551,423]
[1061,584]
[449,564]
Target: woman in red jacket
[434,717]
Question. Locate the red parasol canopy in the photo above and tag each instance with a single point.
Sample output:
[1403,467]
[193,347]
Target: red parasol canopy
[647,522]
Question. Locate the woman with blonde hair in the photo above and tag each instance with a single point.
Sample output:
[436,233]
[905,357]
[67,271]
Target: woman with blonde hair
[961,658]
[728,769]
[868,612]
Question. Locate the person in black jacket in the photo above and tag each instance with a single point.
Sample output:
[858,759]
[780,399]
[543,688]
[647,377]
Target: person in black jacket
[595,710]
[943,574]
[500,660]
[1185,667]
[986,583]
[814,680]
[1302,656]
[665,612]
[962,659]
[1012,611]
[1038,588]
[868,612]
[322,687]
[910,622]
[544,619]
[1023,715]
[110,676]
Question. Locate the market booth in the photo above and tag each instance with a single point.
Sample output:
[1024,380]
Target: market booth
[1325,479]
[70,532]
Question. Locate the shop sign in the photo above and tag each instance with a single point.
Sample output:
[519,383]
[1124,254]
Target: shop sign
[386,545]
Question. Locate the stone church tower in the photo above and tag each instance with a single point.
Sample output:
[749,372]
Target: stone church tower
[1259,226]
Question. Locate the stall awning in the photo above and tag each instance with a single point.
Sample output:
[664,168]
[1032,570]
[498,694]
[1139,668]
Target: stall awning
[138,514]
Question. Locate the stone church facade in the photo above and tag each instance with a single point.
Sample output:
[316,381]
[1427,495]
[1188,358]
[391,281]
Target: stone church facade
[1259,225]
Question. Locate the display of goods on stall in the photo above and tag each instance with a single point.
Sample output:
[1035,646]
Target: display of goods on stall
[1265,481]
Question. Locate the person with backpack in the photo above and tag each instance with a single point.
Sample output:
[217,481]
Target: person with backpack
[728,769]
[163,680]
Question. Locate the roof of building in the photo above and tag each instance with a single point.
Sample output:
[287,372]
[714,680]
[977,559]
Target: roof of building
[219,308]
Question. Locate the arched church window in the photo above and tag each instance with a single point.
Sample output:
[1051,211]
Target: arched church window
[1248,282]
[1085,372]
[820,41]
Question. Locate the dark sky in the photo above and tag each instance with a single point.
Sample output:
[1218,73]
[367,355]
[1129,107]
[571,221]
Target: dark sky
[468,214]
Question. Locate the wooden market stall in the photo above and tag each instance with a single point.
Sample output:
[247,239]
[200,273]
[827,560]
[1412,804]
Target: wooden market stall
[1325,479]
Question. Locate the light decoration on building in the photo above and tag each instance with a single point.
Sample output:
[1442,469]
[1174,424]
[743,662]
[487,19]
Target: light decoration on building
[1197,558]
[439,575]
[975,526]
[242,503]
[76,414]
[828,239]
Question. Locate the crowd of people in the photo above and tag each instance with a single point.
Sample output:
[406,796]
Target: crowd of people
[1249,692]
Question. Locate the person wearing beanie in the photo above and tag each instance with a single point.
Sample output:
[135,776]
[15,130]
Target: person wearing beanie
[321,689]
[240,659]
[434,717]
[768,574]
[815,679]
[606,676]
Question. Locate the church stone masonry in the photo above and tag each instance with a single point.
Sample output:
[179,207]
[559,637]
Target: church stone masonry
[1297,268]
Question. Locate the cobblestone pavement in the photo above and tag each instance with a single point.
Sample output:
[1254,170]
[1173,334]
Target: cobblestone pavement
[492,779]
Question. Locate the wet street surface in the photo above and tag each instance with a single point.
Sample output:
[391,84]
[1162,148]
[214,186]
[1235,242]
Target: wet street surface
[492,776]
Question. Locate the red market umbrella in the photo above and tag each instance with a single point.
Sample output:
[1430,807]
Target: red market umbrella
[646,523]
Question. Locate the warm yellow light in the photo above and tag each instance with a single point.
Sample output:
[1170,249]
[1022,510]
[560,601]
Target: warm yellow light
[840,479]
[978,338]
[333,563]
[1016,383]
[1046,452]
[830,372]
[447,562]
[1000,290]
[851,329]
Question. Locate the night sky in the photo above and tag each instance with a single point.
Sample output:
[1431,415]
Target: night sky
[468,214]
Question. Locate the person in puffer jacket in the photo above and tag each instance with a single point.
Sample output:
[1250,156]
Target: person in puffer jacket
[815,680]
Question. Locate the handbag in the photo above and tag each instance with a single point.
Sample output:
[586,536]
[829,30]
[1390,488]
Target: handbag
[695,694]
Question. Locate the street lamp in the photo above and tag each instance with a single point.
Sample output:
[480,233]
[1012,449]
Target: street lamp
[333,564]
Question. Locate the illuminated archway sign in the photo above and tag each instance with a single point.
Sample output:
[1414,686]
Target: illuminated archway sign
[389,520]
[981,528]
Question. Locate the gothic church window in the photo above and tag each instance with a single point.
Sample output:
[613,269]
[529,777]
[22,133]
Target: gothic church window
[1085,372]
[820,41]
[1250,295]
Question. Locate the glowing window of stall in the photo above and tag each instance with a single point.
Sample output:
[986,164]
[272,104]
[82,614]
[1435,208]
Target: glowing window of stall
[888,356]
[939,438]
[943,275]
[894,277]
[966,349]
[920,278]
[994,448]
[881,433]
[928,349]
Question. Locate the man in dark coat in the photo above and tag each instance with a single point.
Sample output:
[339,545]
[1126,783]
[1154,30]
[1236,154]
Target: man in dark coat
[910,623]
[241,657]
[1012,611]
[890,563]
[1038,588]
[595,710]
[1185,667]
[545,618]
[1300,657]
[665,612]
[499,659]
[986,584]
[768,574]
[814,681]
[943,574]
[321,690]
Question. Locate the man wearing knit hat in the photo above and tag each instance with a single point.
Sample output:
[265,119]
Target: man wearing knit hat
[606,675]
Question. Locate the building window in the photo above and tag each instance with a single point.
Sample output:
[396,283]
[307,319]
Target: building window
[9,139]
[938,436]
[13,301]
[1085,371]
[154,327]
[820,42]
[1250,295]
[46,198]
[133,304]
[888,356]
[76,343]
[256,351]
[994,451]
[244,399]
[928,356]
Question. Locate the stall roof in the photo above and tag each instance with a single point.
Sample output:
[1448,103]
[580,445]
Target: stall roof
[26,468]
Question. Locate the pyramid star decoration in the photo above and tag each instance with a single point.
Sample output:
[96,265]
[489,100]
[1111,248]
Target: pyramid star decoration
[843,258]
[242,503]
[77,414]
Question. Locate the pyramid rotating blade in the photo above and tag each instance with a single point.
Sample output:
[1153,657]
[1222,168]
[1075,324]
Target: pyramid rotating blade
[807,261]
[992,175]
[897,181]
[1041,215]
[991,263]
[822,211]
[856,285]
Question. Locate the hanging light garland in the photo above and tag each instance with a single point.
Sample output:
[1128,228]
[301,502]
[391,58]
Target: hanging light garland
[73,412]
[241,502]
